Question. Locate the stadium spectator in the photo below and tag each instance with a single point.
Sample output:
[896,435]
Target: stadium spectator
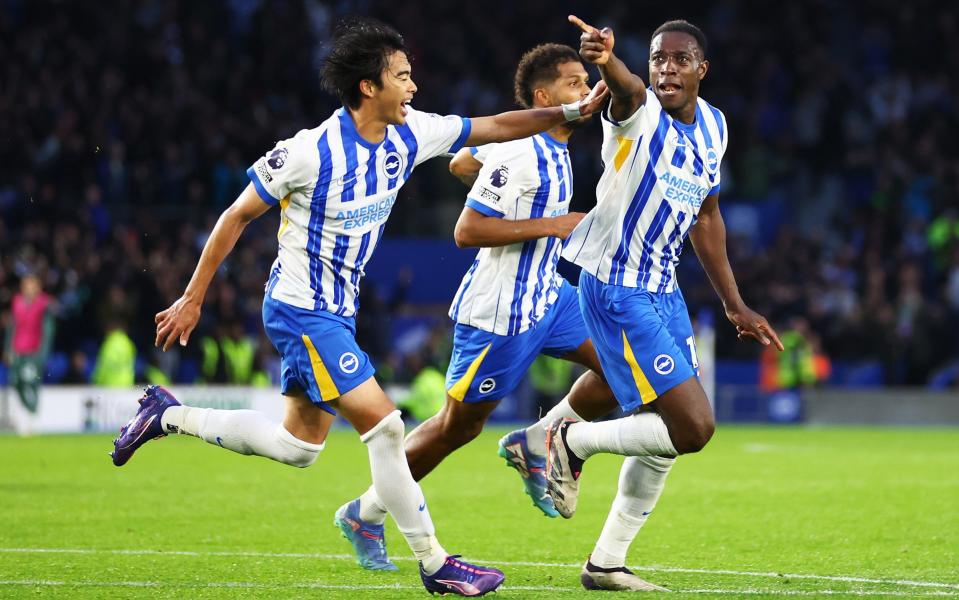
[116,361]
[27,346]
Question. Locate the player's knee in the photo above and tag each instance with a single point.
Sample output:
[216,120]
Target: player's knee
[695,435]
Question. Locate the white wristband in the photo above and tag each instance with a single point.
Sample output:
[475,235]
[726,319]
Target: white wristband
[571,111]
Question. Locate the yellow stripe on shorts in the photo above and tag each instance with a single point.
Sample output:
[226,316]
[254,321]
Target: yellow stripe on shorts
[646,392]
[328,389]
[460,388]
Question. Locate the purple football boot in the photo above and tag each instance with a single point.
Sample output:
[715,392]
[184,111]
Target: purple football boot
[145,426]
[368,539]
[461,578]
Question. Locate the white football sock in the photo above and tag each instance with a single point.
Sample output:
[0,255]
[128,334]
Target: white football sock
[243,431]
[641,482]
[371,507]
[644,434]
[399,493]
[536,433]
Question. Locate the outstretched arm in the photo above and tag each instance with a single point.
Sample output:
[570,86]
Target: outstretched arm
[626,88]
[476,230]
[517,124]
[709,241]
[178,321]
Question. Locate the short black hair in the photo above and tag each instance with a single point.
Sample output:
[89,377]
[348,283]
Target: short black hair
[685,27]
[537,66]
[359,49]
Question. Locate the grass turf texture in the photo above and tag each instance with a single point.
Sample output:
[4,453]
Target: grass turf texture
[762,512]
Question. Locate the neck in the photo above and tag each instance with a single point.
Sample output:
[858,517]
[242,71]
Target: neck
[685,114]
[369,125]
[561,133]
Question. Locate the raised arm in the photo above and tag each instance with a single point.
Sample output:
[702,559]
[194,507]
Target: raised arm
[476,230]
[709,241]
[516,124]
[178,321]
[628,91]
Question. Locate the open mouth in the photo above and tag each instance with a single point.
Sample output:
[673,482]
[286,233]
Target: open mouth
[669,89]
[405,107]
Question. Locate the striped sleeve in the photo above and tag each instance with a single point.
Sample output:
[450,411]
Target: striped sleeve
[504,177]
[436,134]
[289,166]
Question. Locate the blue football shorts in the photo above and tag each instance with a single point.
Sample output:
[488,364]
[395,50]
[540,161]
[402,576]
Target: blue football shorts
[318,351]
[644,340]
[486,366]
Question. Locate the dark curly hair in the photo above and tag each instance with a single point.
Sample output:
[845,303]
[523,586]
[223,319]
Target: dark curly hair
[538,66]
[359,49]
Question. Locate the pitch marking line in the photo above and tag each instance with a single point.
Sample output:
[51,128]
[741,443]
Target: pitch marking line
[653,568]
[530,588]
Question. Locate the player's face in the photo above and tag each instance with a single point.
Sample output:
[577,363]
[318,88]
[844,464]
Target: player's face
[676,66]
[572,85]
[397,89]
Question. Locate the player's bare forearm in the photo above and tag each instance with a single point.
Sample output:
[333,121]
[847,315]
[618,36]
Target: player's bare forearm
[179,320]
[627,89]
[517,124]
[622,82]
[513,125]
[226,232]
[709,241]
[465,167]
[476,230]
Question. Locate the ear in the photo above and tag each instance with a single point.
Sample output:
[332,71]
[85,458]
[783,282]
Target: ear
[367,87]
[541,97]
[703,67]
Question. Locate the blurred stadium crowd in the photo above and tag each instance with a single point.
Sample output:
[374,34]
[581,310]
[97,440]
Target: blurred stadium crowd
[128,126]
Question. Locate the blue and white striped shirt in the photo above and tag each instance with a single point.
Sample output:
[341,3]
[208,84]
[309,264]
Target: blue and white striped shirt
[509,288]
[335,192]
[657,173]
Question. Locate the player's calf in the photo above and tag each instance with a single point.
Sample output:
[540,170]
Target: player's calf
[242,431]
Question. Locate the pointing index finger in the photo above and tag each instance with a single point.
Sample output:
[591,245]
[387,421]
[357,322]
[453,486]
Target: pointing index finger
[581,24]
[775,337]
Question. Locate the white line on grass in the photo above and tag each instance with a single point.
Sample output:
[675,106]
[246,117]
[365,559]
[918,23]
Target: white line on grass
[529,588]
[654,568]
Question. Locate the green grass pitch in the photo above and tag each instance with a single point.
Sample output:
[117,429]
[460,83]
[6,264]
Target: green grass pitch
[762,512]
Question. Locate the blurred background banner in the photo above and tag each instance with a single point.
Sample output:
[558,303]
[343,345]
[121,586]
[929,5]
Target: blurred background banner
[128,127]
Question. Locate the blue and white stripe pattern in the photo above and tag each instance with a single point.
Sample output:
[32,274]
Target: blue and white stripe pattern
[658,171]
[509,288]
[335,192]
